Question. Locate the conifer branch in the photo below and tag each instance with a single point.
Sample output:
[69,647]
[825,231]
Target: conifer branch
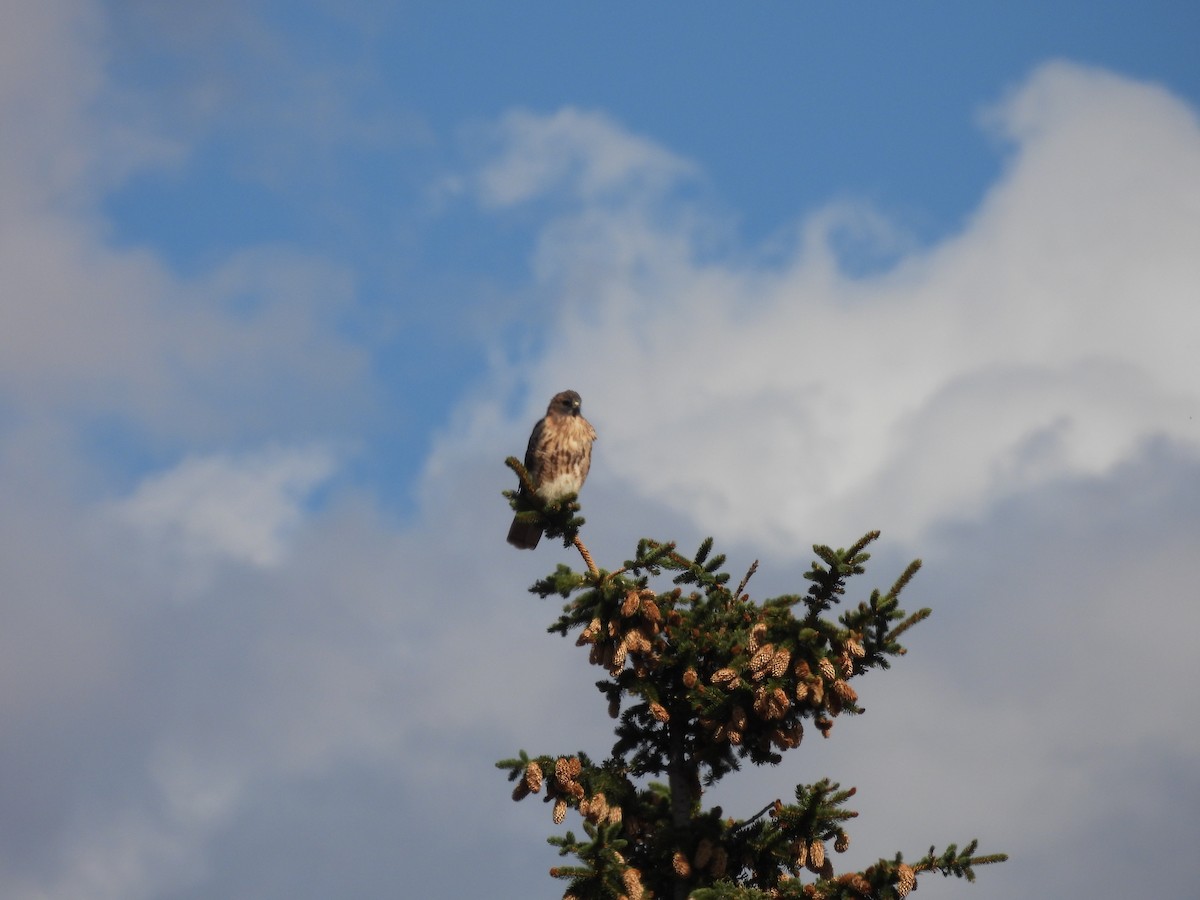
[905,578]
[587,557]
[745,580]
[774,804]
[919,616]
[557,516]
[858,546]
[522,473]
[954,862]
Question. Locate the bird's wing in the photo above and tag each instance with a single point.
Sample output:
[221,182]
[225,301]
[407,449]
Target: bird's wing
[533,463]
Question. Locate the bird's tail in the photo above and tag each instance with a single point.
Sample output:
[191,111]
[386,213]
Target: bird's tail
[524,535]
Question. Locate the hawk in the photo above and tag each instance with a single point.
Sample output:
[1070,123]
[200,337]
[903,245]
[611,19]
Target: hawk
[558,458]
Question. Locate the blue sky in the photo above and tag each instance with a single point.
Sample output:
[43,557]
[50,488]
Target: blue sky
[324,128]
[281,284]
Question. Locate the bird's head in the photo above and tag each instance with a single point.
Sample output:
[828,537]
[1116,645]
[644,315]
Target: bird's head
[566,403]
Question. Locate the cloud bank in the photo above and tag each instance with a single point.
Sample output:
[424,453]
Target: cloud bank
[1047,339]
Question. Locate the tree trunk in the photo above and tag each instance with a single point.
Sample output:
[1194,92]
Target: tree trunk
[680,779]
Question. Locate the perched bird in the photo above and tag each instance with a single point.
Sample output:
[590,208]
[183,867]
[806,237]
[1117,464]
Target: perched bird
[558,458]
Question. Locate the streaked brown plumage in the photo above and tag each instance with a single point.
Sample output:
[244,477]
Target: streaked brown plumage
[558,458]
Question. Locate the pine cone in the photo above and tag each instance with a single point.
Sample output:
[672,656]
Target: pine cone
[562,771]
[816,688]
[588,635]
[782,739]
[720,861]
[681,865]
[779,663]
[533,777]
[738,718]
[595,809]
[779,703]
[771,705]
[906,879]
[844,692]
[650,608]
[757,633]
[761,657]
[816,856]
[560,810]
[618,660]
[857,883]
[722,676]
[760,702]
[636,641]
[632,880]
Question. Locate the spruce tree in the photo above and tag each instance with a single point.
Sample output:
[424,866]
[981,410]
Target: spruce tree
[700,678]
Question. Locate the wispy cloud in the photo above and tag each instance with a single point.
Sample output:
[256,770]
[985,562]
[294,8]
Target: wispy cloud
[87,328]
[242,509]
[582,153]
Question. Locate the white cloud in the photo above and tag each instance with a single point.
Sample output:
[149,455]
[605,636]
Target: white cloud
[1052,336]
[90,328]
[237,508]
[59,152]
[585,153]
